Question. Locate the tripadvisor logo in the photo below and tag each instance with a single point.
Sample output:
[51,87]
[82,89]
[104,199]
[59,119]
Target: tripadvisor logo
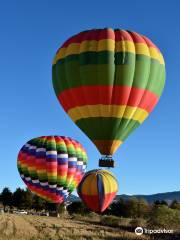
[140,231]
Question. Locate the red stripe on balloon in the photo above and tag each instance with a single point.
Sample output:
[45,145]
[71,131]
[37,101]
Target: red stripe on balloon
[51,167]
[92,202]
[40,163]
[117,35]
[108,198]
[96,34]
[108,95]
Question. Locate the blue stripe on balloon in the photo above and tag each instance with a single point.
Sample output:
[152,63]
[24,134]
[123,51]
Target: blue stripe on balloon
[79,189]
[45,187]
[41,154]
[51,156]
[72,164]
[79,167]
[52,190]
[32,152]
[62,161]
[100,190]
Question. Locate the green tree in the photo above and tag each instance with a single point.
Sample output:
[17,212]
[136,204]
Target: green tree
[6,198]
[143,208]
[28,199]
[129,208]
[77,207]
[117,208]
[22,198]
[18,198]
[162,202]
[157,202]
[38,203]
[175,205]
[164,217]
[132,208]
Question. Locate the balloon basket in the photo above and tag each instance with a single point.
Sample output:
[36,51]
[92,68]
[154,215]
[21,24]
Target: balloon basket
[106,162]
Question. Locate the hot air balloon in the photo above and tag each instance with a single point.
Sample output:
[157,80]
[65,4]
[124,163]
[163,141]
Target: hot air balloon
[108,81]
[52,166]
[97,189]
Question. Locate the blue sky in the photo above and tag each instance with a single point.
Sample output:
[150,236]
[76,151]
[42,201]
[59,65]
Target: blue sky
[31,31]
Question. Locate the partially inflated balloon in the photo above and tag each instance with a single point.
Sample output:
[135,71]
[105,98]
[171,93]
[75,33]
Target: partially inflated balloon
[108,81]
[52,166]
[97,189]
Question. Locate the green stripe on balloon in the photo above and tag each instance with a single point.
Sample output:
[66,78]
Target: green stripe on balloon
[52,179]
[105,57]
[61,147]
[61,182]
[42,177]
[148,75]
[105,128]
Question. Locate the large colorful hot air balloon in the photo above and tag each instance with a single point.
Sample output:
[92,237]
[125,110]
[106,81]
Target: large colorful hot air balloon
[97,189]
[52,166]
[108,81]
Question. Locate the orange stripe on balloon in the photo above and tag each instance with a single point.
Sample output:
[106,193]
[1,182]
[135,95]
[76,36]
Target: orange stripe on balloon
[107,146]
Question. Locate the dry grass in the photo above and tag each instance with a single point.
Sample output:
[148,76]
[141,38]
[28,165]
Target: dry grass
[21,227]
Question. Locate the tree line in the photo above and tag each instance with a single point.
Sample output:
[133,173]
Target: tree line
[21,199]
[131,208]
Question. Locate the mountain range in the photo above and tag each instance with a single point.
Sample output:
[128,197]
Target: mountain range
[168,197]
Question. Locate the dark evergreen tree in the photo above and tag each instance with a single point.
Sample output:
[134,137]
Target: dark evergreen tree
[6,198]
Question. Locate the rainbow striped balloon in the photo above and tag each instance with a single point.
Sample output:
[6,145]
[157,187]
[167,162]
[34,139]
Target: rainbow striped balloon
[108,81]
[52,166]
[97,189]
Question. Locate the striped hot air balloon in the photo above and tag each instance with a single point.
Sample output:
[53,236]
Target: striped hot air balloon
[97,189]
[108,81]
[52,166]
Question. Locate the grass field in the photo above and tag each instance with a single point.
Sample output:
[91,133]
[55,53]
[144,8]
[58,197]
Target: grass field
[27,227]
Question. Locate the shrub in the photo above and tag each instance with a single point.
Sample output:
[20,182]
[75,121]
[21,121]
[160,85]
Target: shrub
[164,217]
[91,217]
[110,221]
[114,221]
[137,222]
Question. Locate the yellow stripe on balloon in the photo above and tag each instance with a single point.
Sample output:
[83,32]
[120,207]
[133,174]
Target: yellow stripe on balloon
[125,46]
[42,172]
[154,53]
[161,59]
[108,45]
[142,48]
[110,183]
[99,110]
[31,169]
[89,187]
[51,174]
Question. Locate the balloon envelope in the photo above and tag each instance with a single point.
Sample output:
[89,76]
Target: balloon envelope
[52,166]
[97,189]
[108,81]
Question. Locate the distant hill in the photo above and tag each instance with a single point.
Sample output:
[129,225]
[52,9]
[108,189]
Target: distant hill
[168,197]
